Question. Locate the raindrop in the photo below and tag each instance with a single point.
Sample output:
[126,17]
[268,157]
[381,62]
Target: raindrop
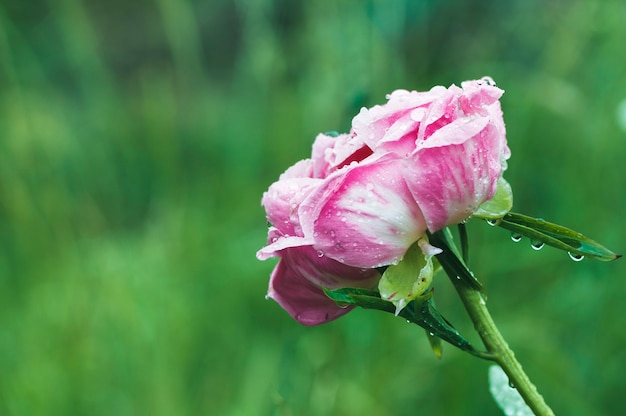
[516,237]
[575,257]
[536,245]
[432,334]
[320,253]
[511,385]
[492,222]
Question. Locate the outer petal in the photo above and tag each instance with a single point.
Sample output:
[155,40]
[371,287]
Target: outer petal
[449,182]
[281,202]
[306,303]
[278,242]
[364,215]
[299,276]
[301,169]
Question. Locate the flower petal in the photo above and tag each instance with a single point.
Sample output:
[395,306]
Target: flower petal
[455,171]
[364,215]
[301,273]
[305,302]
[281,202]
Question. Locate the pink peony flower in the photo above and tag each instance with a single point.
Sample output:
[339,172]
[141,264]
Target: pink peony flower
[422,161]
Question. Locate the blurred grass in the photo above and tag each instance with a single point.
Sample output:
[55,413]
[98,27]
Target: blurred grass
[136,139]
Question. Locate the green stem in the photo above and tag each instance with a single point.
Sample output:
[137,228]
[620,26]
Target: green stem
[499,350]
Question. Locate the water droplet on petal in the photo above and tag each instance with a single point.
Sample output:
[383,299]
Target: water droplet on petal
[536,245]
[320,253]
[575,256]
[516,237]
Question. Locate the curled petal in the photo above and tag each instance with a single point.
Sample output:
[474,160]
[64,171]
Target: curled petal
[281,202]
[277,242]
[364,215]
[393,127]
[301,169]
[299,276]
[449,182]
[305,302]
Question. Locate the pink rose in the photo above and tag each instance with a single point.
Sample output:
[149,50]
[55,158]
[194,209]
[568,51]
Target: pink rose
[422,161]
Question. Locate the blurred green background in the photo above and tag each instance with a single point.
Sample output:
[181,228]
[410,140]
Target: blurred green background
[136,139]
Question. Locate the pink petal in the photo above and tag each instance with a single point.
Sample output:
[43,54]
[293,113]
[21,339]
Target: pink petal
[346,149]
[392,127]
[306,303]
[282,199]
[299,276]
[455,171]
[364,215]
[301,169]
[277,242]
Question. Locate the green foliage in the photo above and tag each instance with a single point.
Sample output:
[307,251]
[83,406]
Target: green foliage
[541,231]
[136,139]
[420,311]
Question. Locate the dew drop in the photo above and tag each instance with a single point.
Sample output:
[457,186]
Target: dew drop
[320,253]
[432,334]
[516,237]
[575,257]
[536,245]
[492,222]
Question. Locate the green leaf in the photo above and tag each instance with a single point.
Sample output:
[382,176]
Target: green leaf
[435,344]
[499,205]
[421,311]
[556,236]
[431,320]
[451,261]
